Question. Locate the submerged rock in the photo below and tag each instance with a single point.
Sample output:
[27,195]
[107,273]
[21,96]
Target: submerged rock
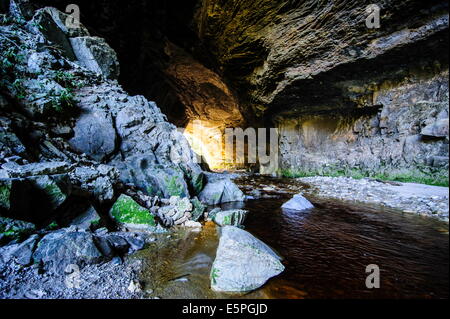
[243,262]
[231,218]
[298,203]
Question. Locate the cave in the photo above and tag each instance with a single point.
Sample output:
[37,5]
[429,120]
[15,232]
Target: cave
[231,65]
[325,134]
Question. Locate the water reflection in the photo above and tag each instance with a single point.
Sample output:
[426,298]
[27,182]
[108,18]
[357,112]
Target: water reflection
[326,251]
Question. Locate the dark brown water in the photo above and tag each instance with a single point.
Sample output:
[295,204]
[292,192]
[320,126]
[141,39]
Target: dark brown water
[326,251]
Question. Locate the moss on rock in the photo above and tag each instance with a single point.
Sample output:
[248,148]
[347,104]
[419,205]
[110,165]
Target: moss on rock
[5,192]
[127,211]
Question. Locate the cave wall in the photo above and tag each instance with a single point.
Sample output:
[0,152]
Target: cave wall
[343,96]
[155,44]
[301,66]
[406,136]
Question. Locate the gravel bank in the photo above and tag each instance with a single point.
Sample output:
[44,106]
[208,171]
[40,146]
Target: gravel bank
[111,280]
[432,201]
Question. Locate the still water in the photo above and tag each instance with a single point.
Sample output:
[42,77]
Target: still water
[326,251]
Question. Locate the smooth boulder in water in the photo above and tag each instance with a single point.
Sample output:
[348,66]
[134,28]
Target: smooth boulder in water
[231,218]
[243,263]
[298,203]
[220,192]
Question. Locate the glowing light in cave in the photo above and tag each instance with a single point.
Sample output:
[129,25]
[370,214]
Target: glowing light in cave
[206,139]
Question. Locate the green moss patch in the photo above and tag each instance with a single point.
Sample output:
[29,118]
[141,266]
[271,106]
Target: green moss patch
[439,178]
[5,192]
[127,211]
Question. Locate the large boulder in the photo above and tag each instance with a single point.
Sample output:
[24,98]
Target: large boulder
[298,203]
[231,218]
[60,249]
[129,214]
[96,55]
[221,191]
[43,23]
[21,253]
[153,179]
[243,263]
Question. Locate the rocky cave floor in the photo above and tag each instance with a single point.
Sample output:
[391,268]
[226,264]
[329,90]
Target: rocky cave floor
[121,278]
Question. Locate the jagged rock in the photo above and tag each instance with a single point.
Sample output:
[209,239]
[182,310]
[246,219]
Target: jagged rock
[118,243]
[11,229]
[97,181]
[20,8]
[87,219]
[9,142]
[41,96]
[43,23]
[94,133]
[59,249]
[437,129]
[199,209]
[136,241]
[231,218]
[155,180]
[61,19]
[21,253]
[212,214]
[127,213]
[36,169]
[179,210]
[96,55]
[221,191]
[298,203]
[243,263]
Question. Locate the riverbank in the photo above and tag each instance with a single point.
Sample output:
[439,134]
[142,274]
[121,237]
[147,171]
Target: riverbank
[431,201]
[110,280]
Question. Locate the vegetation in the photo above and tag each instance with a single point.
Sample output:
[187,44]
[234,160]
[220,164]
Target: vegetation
[214,275]
[174,187]
[127,211]
[5,191]
[410,176]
